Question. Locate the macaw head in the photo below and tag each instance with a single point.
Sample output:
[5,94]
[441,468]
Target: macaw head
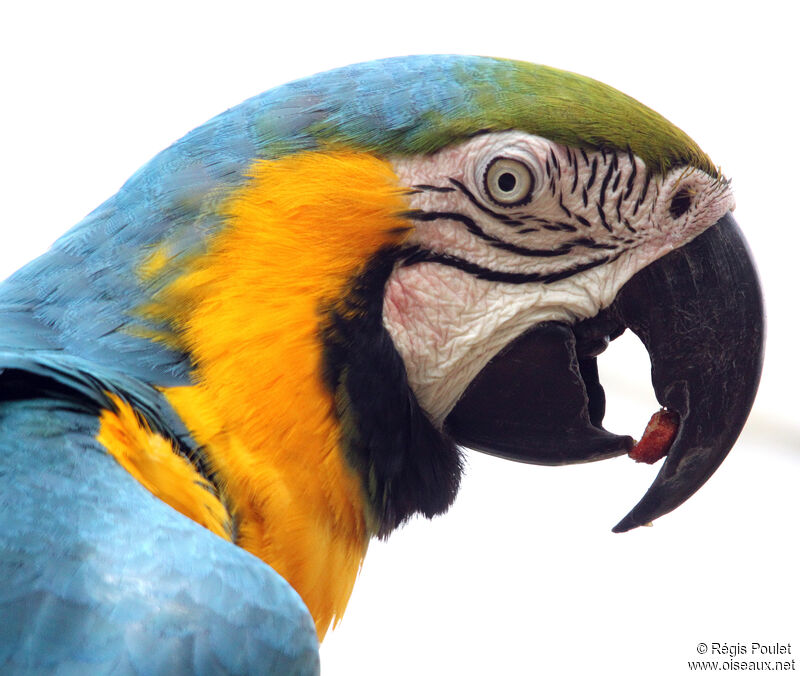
[538,254]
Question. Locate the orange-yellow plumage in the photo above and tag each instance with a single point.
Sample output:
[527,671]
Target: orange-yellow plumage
[249,312]
[152,461]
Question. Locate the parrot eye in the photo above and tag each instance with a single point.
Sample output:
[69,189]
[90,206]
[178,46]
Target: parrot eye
[508,182]
[680,203]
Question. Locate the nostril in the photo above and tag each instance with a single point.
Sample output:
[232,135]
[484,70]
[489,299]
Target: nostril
[680,203]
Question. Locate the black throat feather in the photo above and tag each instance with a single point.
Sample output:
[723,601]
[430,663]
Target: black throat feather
[406,464]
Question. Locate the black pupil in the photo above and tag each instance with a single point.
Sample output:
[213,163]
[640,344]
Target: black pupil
[507,182]
[680,203]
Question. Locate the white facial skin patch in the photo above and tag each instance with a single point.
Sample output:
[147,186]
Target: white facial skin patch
[513,230]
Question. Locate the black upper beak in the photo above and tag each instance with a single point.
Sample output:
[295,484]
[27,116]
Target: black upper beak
[699,313]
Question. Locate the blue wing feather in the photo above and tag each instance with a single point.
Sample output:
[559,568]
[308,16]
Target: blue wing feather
[98,576]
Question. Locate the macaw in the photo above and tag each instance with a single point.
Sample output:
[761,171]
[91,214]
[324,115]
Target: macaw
[269,346]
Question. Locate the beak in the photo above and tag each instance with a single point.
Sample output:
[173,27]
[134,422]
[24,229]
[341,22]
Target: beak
[699,313]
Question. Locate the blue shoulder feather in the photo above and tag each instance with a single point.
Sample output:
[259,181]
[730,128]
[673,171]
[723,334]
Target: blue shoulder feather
[101,577]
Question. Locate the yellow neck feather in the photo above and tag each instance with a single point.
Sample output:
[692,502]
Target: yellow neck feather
[249,313]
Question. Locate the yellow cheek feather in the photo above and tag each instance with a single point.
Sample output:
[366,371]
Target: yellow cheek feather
[249,312]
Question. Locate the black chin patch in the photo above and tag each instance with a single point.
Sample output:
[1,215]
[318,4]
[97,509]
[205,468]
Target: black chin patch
[406,464]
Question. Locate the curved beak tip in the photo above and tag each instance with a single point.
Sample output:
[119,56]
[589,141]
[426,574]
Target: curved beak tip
[699,311]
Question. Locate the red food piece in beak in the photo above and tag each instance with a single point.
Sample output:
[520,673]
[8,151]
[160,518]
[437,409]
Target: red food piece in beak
[658,437]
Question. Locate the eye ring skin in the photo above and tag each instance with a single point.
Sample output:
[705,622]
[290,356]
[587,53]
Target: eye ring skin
[519,191]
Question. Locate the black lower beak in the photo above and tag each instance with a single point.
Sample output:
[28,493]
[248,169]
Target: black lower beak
[698,311]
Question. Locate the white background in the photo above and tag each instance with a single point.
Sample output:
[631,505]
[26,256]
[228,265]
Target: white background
[523,576]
